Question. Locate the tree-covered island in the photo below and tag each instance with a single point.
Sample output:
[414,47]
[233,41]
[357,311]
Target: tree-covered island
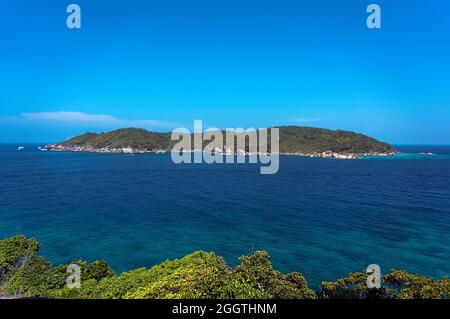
[294,140]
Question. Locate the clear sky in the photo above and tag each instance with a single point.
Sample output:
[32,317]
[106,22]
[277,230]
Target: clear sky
[231,63]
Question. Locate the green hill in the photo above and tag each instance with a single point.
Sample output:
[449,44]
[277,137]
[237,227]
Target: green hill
[293,139]
[310,140]
[129,137]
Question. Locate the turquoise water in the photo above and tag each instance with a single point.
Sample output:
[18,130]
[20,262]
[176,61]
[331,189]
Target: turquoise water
[324,218]
[410,156]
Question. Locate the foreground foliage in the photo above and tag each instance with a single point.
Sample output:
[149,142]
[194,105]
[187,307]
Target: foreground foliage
[198,275]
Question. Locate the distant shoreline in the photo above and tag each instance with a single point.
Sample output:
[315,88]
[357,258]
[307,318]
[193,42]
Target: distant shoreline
[225,152]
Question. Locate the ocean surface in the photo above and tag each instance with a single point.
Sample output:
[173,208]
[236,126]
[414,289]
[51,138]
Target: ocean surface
[321,217]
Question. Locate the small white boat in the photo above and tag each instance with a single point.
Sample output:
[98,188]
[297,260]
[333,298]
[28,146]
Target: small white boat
[20,148]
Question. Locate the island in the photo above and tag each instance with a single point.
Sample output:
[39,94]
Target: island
[294,141]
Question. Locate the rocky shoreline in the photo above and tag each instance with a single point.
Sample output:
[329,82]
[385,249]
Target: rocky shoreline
[130,150]
[90,149]
[342,156]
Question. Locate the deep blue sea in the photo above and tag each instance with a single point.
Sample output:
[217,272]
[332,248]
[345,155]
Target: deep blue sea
[321,217]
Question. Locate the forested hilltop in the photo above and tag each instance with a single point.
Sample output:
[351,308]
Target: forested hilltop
[294,140]
[200,275]
[129,137]
[299,139]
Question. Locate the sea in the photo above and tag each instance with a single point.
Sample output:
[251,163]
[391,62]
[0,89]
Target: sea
[323,218]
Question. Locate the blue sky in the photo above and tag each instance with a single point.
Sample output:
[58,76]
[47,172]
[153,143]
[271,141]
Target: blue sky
[162,64]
